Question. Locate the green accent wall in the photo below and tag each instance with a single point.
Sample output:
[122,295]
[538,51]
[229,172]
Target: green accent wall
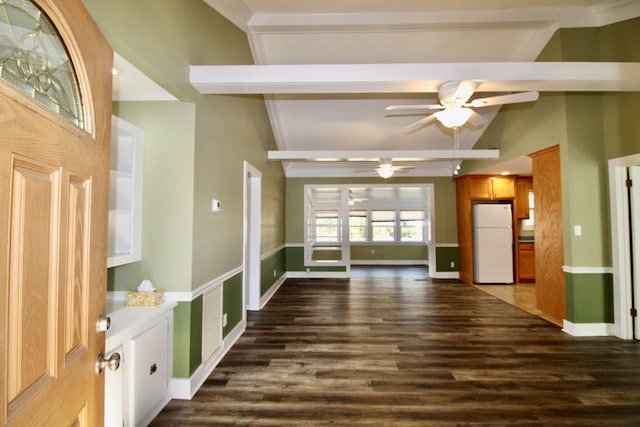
[389,252]
[195,342]
[589,298]
[187,338]
[232,304]
[271,269]
[445,255]
[294,258]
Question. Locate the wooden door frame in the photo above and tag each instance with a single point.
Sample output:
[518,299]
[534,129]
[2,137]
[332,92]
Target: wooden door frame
[620,244]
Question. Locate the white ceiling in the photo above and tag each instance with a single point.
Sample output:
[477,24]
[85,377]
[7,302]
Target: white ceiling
[328,68]
[131,84]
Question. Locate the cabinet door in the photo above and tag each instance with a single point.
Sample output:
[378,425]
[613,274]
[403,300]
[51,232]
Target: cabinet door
[526,263]
[480,188]
[523,186]
[114,395]
[503,187]
[150,370]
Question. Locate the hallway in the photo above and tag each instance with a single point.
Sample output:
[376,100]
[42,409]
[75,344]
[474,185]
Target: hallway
[404,351]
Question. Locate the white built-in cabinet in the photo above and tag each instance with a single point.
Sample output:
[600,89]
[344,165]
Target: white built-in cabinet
[125,193]
[138,390]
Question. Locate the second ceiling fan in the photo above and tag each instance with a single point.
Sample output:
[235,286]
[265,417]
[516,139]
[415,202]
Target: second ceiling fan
[385,169]
[454,107]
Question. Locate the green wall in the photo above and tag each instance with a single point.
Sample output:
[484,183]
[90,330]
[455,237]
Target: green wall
[589,298]
[444,196]
[294,259]
[590,128]
[271,270]
[162,40]
[167,200]
[232,302]
[389,252]
[197,148]
[445,255]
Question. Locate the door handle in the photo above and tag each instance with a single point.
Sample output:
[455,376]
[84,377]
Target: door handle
[103,323]
[113,362]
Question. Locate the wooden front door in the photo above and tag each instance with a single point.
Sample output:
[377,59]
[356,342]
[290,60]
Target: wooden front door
[54,187]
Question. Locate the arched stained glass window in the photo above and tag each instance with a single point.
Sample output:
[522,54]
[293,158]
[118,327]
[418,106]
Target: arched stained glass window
[33,58]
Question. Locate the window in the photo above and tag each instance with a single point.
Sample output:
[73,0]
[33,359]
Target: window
[411,226]
[327,226]
[358,226]
[383,226]
[529,223]
[35,60]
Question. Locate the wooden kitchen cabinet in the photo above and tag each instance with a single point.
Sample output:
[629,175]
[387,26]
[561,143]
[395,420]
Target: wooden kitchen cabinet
[526,262]
[521,204]
[471,188]
[491,187]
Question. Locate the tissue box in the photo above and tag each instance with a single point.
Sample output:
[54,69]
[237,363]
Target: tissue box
[144,299]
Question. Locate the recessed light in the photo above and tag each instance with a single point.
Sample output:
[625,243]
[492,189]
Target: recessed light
[504,173]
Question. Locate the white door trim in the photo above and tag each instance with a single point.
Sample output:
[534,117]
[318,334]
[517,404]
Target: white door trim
[251,222]
[620,244]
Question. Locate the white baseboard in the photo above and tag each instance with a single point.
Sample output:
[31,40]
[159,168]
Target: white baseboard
[186,388]
[264,299]
[317,275]
[389,262]
[444,274]
[587,329]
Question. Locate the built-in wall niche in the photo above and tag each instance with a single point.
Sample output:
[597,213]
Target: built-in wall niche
[125,193]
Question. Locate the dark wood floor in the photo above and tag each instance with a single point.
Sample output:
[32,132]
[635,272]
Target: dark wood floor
[405,351]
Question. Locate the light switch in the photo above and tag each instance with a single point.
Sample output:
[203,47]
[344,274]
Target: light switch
[215,205]
[577,230]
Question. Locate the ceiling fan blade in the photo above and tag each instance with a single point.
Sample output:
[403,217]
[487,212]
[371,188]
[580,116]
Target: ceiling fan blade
[465,89]
[366,171]
[420,123]
[415,107]
[403,168]
[505,99]
[477,119]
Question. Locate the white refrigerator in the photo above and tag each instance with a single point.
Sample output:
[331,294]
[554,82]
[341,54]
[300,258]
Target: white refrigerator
[492,243]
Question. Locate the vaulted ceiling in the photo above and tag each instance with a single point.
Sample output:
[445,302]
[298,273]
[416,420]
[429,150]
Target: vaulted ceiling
[328,69]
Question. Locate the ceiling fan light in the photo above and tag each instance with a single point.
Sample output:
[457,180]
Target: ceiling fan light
[453,117]
[385,171]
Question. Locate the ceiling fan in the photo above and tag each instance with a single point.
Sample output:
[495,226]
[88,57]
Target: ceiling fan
[454,108]
[385,169]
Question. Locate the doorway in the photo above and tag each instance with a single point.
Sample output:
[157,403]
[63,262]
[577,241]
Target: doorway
[625,234]
[251,238]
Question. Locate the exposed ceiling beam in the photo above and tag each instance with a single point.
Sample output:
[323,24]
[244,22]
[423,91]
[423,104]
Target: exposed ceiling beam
[414,78]
[375,155]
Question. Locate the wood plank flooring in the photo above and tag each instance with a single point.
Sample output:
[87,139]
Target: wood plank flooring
[402,351]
